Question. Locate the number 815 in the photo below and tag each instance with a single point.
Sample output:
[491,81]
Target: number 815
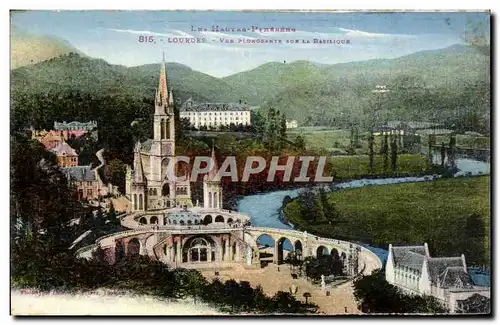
[147,39]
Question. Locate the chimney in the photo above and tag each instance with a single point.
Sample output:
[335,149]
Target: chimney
[463,261]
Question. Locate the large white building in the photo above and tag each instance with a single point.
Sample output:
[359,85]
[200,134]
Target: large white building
[413,270]
[215,114]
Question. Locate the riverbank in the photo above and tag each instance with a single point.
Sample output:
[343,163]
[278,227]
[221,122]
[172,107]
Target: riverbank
[346,169]
[442,213]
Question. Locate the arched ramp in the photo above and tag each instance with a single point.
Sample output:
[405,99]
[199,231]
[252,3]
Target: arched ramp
[283,244]
[321,250]
[133,248]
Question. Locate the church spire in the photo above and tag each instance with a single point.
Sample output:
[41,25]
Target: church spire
[163,87]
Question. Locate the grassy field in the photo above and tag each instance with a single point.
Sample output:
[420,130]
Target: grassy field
[467,141]
[349,167]
[330,140]
[413,213]
[339,140]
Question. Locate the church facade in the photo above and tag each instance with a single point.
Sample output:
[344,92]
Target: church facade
[148,183]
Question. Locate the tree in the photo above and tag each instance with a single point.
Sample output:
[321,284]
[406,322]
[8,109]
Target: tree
[452,150]
[300,143]
[370,150]
[394,154]
[385,150]
[41,196]
[282,131]
[307,295]
[475,304]
[287,199]
[112,214]
[375,295]
[323,265]
[431,144]
[443,154]
[114,172]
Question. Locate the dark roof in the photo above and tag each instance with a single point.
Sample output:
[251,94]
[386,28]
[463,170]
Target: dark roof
[189,105]
[409,256]
[437,267]
[412,260]
[79,173]
[455,277]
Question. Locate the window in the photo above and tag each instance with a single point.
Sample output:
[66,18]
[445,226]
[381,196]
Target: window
[89,192]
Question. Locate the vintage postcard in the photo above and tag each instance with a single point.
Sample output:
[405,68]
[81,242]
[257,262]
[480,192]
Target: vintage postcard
[250,163]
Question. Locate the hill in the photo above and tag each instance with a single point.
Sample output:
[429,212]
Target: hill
[29,49]
[97,77]
[420,83]
[450,84]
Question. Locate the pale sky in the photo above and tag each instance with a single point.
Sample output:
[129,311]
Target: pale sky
[114,35]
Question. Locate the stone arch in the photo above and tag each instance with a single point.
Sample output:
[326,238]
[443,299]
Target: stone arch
[133,248]
[229,220]
[119,251]
[320,251]
[199,249]
[143,221]
[335,253]
[262,242]
[153,220]
[219,218]
[207,220]
[181,222]
[189,222]
[298,246]
[174,222]
[281,243]
[165,190]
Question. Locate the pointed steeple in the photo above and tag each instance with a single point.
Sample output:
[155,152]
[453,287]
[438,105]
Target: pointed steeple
[162,86]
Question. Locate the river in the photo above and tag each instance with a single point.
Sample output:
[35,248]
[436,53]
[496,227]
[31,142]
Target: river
[263,208]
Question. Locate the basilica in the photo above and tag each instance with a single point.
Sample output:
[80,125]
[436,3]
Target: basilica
[148,183]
